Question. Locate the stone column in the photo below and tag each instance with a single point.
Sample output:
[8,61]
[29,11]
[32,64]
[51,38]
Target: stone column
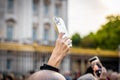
[66,64]
[2,14]
[41,27]
[82,66]
[27,22]
[64,11]
[24,16]
[52,11]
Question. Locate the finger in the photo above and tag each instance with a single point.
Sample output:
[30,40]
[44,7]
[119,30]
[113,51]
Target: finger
[70,45]
[64,39]
[68,42]
[60,35]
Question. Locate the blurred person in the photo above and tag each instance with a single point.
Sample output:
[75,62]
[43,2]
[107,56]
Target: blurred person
[99,71]
[1,76]
[10,76]
[26,76]
[67,76]
[96,69]
[114,76]
[89,70]
[103,75]
[109,72]
[118,76]
[88,76]
[74,76]
[47,75]
[50,70]
[20,77]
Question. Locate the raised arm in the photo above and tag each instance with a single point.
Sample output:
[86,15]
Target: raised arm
[62,47]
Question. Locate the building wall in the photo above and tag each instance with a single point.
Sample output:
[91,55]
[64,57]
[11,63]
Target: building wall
[2,13]
[23,18]
[17,62]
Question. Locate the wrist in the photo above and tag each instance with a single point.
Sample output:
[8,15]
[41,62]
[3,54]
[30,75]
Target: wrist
[48,67]
[55,61]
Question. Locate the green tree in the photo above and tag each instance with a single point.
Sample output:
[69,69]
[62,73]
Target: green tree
[89,41]
[108,37]
[76,39]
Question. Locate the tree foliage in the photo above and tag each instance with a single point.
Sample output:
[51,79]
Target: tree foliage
[108,37]
[76,39]
[89,41]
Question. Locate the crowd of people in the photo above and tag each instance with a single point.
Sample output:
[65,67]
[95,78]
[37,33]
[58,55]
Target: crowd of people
[50,71]
[111,75]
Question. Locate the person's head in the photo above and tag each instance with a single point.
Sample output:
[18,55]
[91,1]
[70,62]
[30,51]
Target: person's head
[89,70]
[10,76]
[46,75]
[119,76]
[114,76]
[87,77]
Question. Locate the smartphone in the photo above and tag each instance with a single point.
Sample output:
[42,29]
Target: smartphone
[95,61]
[60,26]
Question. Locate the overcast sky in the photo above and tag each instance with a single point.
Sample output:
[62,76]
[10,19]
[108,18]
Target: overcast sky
[85,16]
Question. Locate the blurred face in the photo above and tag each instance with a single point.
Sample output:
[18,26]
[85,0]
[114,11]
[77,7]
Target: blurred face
[95,67]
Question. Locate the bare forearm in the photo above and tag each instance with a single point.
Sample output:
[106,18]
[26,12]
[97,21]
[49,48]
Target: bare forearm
[59,52]
[55,61]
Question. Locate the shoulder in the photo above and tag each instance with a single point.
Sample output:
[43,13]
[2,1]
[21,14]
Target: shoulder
[87,77]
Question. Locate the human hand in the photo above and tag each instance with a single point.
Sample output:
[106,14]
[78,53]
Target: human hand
[62,47]
[101,70]
[103,75]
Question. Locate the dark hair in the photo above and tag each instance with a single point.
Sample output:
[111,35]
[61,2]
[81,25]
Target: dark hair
[9,77]
[89,70]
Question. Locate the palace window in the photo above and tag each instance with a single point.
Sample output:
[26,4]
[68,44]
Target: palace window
[35,7]
[10,5]
[46,7]
[46,31]
[9,32]
[34,33]
[9,64]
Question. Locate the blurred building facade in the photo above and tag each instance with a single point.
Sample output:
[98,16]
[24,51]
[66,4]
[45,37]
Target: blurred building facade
[26,22]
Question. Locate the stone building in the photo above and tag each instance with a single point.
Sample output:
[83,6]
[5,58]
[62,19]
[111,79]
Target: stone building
[28,22]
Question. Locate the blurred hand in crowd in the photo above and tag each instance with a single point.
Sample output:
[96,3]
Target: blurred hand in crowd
[99,67]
